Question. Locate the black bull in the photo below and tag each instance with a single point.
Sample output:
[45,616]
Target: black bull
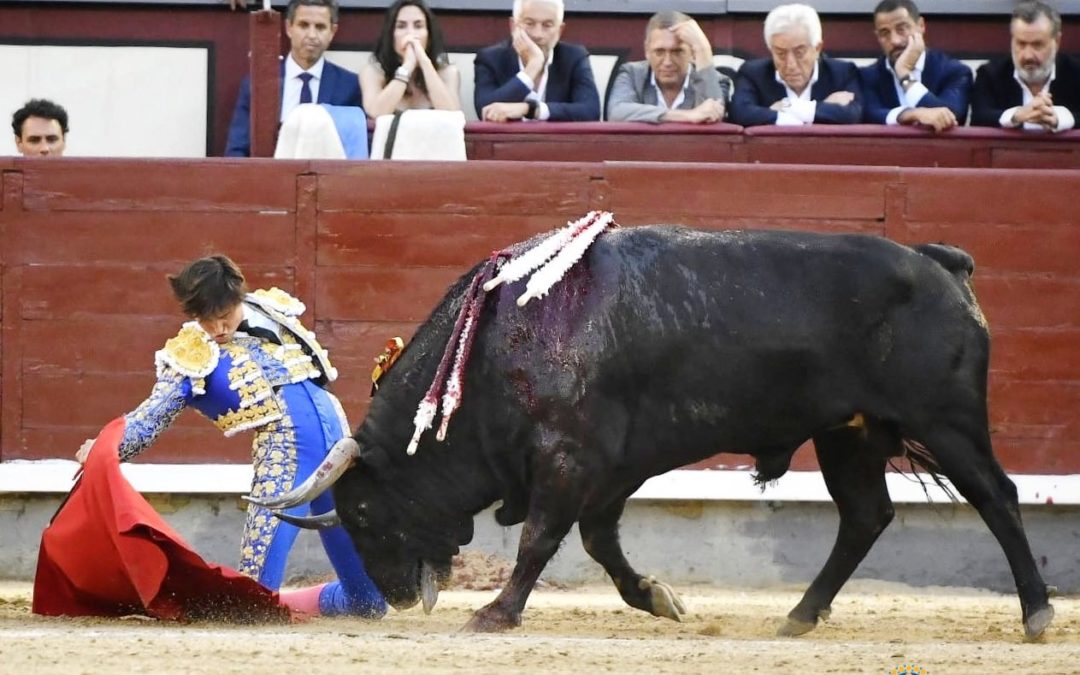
[665,346]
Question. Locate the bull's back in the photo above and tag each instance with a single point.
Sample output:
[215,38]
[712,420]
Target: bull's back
[760,334]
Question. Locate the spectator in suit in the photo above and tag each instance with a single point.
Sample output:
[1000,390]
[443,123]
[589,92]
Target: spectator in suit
[409,69]
[910,83]
[40,128]
[1038,88]
[306,75]
[797,85]
[676,83]
[533,75]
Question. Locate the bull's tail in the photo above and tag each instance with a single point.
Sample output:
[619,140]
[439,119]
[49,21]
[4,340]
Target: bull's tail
[921,461]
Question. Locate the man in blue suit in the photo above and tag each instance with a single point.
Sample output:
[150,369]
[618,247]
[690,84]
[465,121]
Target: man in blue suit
[797,85]
[533,75]
[911,84]
[306,76]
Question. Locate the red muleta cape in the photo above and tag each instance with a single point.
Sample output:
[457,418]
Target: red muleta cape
[108,553]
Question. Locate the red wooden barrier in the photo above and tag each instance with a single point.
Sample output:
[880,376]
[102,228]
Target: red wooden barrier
[371,246]
[859,144]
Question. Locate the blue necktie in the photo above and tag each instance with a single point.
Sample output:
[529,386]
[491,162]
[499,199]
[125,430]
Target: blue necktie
[305,90]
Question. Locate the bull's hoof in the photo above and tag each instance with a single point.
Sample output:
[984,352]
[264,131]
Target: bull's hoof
[1037,623]
[663,600]
[492,619]
[795,627]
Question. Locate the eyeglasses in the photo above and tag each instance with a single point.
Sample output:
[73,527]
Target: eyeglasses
[676,54]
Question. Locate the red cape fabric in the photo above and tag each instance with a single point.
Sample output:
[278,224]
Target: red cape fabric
[108,553]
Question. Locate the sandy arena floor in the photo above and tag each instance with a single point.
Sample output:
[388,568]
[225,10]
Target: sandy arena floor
[875,628]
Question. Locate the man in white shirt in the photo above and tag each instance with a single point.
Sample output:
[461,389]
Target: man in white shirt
[534,75]
[797,85]
[306,75]
[676,82]
[911,83]
[1038,87]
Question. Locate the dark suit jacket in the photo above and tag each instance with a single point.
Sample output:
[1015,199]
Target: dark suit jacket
[948,80]
[336,87]
[756,89]
[996,91]
[571,94]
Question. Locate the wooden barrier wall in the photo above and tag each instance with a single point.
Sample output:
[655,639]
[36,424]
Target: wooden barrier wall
[857,144]
[371,246]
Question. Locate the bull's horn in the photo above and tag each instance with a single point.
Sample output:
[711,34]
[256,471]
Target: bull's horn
[429,586]
[337,461]
[323,521]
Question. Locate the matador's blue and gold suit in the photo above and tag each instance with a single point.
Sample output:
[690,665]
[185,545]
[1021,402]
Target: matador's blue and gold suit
[273,389]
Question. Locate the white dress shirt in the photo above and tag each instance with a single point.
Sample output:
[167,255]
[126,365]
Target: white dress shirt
[911,97]
[536,93]
[1065,117]
[290,90]
[799,108]
[661,100]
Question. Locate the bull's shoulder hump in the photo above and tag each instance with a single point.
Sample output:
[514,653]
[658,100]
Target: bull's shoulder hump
[953,259]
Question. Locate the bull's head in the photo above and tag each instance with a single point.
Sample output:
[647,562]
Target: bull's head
[403,528]
[407,515]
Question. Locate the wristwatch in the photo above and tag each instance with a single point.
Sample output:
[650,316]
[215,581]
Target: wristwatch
[906,80]
[533,107]
[403,74]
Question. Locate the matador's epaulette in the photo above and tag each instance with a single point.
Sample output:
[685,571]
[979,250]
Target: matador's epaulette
[284,308]
[277,300]
[192,353]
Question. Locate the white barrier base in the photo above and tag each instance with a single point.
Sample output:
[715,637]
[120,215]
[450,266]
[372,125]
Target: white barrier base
[56,476]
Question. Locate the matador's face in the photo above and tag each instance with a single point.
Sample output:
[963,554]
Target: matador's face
[223,326]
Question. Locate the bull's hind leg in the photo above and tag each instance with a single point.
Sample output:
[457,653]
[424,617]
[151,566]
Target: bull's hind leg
[600,536]
[971,467]
[558,487]
[853,464]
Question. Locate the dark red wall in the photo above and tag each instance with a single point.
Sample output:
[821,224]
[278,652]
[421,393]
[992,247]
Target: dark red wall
[370,246]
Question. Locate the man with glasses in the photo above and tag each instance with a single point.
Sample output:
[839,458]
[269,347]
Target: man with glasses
[797,85]
[676,83]
[910,83]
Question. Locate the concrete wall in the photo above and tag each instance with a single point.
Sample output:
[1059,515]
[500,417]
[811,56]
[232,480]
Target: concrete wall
[728,543]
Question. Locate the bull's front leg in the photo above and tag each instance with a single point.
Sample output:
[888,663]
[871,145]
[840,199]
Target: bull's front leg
[600,536]
[555,501]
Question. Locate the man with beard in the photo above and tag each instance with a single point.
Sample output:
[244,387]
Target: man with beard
[1038,88]
[910,83]
[676,83]
[306,75]
[533,75]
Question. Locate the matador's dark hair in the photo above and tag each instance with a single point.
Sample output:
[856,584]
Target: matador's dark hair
[209,287]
